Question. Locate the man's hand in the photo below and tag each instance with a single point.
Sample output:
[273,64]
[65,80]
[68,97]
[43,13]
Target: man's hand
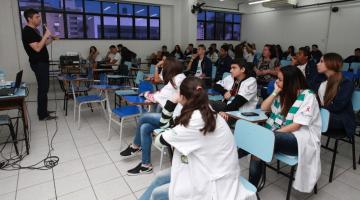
[224,115]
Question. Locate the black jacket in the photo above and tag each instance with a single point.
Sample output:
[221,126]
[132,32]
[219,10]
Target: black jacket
[223,65]
[313,78]
[206,66]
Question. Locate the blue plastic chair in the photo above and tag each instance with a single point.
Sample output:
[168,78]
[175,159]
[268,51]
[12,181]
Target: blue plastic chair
[348,74]
[152,69]
[355,67]
[270,87]
[139,77]
[284,63]
[345,67]
[128,64]
[256,140]
[356,100]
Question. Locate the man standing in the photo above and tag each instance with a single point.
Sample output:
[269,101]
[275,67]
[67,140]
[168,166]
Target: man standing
[223,64]
[35,47]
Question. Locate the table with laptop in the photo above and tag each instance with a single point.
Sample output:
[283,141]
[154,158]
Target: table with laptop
[12,96]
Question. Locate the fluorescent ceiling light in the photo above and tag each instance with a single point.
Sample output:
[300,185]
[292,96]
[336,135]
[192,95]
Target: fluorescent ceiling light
[139,11]
[107,8]
[257,2]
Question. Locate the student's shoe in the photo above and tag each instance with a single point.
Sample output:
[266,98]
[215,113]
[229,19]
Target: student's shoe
[48,118]
[129,151]
[140,169]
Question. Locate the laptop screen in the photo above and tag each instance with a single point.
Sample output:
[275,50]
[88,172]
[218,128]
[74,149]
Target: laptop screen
[18,79]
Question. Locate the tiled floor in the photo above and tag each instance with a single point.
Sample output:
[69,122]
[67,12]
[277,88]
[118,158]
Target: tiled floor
[90,166]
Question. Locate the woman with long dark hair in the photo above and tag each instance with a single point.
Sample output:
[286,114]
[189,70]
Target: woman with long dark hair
[296,122]
[177,53]
[205,163]
[172,76]
[335,94]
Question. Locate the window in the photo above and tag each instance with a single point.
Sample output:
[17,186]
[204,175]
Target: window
[218,26]
[95,19]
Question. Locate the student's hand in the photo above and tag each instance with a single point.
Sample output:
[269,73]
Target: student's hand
[47,33]
[277,89]
[227,95]
[160,63]
[224,115]
[293,60]
[194,56]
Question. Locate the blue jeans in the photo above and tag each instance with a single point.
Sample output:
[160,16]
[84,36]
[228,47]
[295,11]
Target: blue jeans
[159,187]
[285,143]
[148,122]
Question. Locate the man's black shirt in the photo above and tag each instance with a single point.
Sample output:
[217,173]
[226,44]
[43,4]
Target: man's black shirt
[31,35]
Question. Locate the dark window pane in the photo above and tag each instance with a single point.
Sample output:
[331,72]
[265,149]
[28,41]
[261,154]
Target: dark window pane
[154,29]
[110,27]
[140,10]
[219,17]
[141,28]
[237,19]
[201,16]
[154,11]
[228,32]
[55,23]
[219,32]
[210,31]
[92,6]
[125,9]
[228,17]
[25,4]
[93,25]
[53,4]
[126,27]
[236,32]
[110,8]
[200,30]
[74,5]
[210,16]
[75,26]
[23,23]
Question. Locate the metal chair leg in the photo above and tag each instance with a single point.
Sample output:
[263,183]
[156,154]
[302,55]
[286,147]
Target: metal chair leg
[353,152]
[333,161]
[315,189]
[327,142]
[290,182]
[13,136]
[278,166]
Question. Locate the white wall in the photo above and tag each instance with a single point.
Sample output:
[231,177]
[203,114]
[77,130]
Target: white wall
[337,32]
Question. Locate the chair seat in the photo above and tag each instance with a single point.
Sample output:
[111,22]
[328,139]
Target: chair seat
[89,98]
[335,134]
[126,111]
[4,119]
[117,76]
[215,98]
[287,159]
[126,92]
[247,184]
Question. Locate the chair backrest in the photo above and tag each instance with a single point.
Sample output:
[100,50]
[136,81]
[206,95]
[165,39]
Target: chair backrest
[356,100]
[355,66]
[271,86]
[90,73]
[226,74]
[129,64]
[325,117]
[103,79]
[348,74]
[145,86]
[139,77]
[152,69]
[284,63]
[213,72]
[255,139]
[345,67]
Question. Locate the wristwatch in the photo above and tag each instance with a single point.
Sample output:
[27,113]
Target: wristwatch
[274,94]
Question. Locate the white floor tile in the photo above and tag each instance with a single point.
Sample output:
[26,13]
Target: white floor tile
[8,196]
[350,178]
[42,191]
[68,168]
[112,189]
[127,197]
[71,183]
[103,174]
[139,182]
[342,191]
[95,161]
[34,177]
[83,194]
[91,150]
[322,195]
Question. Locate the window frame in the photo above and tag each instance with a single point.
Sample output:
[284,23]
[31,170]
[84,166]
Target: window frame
[215,21]
[64,13]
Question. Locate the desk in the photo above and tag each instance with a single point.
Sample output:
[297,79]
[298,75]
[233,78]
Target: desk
[254,119]
[17,101]
[137,101]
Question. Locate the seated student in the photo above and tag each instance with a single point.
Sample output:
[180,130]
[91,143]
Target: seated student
[113,56]
[266,68]
[94,56]
[308,68]
[212,55]
[200,65]
[296,122]
[278,51]
[315,53]
[223,63]
[289,54]
[248,53]
[335,94]
[177,52]
[231,51]
[164,50]
[354,58]
[239,89]
[189,50]
[172,76]
[126,54]
[205,163]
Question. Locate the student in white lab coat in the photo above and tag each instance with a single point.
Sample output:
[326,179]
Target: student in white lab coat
[205,163]
[172,76]
[295,120]
[239,89]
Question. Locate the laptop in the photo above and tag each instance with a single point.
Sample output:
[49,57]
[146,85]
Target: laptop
[12,90]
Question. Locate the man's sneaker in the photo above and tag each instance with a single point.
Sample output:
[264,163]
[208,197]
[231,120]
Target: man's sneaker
[130,151]
[140,169]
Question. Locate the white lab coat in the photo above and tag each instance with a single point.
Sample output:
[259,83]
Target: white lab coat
[248,90]
[212,170]
[309,143]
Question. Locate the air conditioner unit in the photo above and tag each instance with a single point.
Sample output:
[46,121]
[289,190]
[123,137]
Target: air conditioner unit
[280,3]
